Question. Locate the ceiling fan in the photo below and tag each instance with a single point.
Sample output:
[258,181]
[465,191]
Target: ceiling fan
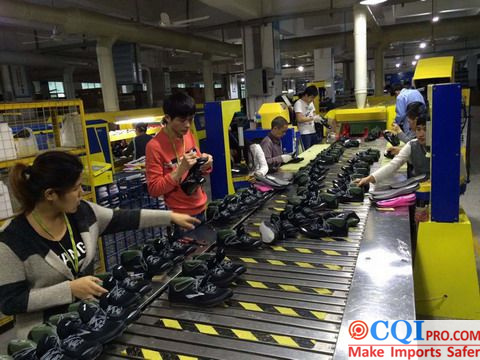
[166,22]
[55,36]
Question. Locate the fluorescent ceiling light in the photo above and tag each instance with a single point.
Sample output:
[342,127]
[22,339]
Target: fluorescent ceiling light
[242,79]
[423,45]
[435,19]
[397,65]
[414,62]
[287,65]
[300,68]
[372,2]
[417,57]
[145,119]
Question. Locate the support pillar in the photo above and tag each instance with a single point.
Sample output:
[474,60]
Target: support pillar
[208,78]
[472,67]
[261,50]
[8,94]
[107,74]
[379,71]
[68,85]
[360,38]
[324,70]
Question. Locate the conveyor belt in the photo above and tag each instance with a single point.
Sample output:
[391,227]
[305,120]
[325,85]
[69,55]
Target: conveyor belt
[289,304]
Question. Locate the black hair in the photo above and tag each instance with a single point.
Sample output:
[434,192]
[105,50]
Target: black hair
[279,122]
[55,170]
[310,91]
[395,87]
[414,109]
[422,118]
[142,127]
[179,105]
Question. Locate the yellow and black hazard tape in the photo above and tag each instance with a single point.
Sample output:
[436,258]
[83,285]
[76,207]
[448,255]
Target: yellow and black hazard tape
[291,288]
[308,251]
[143,353]
[287,311]
[234,333]
[302,264]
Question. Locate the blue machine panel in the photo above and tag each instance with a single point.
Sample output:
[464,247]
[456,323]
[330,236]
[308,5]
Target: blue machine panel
[446,142]
[214,128]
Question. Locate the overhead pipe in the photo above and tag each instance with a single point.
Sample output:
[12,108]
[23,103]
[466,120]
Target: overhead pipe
[79,21]
[360,39]
[27,58]
[466,26]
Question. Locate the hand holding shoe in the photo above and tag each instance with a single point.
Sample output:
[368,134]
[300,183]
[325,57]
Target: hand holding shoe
[87,287]
[208,164]
[394,150]
[396,129]
[188,160]
[185,221]
[286,158]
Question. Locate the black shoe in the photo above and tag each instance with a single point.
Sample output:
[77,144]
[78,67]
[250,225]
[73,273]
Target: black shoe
[133,261]
[119,313]
[22,349]
[218,276]
[391,138]
[75,340]
[197,291]
[131,283]
[177,246]
[237,239]
[157,262]
[95,320]
[119,296]
[218,259]
[49,348]
[194,177]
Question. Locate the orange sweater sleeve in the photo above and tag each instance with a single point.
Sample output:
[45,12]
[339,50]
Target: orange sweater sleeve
[158,182]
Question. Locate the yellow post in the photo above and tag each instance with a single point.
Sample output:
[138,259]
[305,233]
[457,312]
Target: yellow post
[445,273]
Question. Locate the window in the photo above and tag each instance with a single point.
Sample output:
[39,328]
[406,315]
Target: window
[217,86]
[55,88]
[91,85]
[181,86]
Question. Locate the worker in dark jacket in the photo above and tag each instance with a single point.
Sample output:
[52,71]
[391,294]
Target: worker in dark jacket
[139,143]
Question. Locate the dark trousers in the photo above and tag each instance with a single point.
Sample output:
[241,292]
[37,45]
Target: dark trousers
[309,139]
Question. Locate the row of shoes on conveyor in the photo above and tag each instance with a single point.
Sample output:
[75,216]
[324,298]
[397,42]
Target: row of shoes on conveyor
[206,278]
[82,332]
[310,212]
[233,206]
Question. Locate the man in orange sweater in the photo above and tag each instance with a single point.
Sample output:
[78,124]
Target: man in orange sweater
[171,154]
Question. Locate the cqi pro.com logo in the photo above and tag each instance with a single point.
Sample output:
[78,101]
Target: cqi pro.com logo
[358,330]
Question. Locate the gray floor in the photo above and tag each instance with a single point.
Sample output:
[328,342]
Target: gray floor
[470,202]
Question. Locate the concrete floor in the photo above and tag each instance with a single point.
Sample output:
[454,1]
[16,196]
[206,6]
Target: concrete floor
[470,202]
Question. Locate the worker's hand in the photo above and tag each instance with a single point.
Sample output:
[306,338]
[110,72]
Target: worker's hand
[208,164]
[87,287]
[286,158]
[394,150]
[185,221]
[366,180]
[396,129]
[188,160]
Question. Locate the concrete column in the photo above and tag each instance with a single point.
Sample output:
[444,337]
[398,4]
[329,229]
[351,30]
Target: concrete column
[261,50]
[233,90]
[107,74]
[208,78]
[148,80]
[472,66]
[68,85]
[360,38]
[8,94]
[324,69]
[379,72]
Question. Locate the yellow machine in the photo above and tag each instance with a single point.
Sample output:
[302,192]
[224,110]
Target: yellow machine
[270,111]
[445,274]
